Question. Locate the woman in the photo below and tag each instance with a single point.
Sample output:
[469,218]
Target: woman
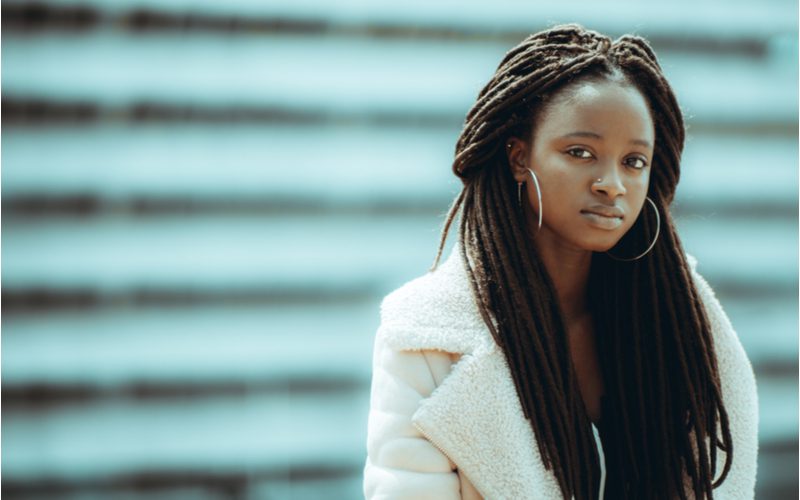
[567,347]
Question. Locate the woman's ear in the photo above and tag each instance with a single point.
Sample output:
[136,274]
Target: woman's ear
[517,154]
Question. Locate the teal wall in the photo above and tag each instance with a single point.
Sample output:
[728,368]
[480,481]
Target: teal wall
[204,202]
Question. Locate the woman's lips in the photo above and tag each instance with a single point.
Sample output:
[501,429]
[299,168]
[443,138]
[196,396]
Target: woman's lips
[602,221]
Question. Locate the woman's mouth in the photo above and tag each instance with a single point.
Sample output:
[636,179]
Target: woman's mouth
[602,221]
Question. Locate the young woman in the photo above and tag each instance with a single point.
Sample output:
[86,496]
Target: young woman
[567,347]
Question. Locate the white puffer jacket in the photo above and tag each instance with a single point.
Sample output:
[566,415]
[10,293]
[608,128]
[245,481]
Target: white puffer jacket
[445,421]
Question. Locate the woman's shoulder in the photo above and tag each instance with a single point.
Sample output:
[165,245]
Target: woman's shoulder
[720,322]
[721,326]
[435,310]
[733,361]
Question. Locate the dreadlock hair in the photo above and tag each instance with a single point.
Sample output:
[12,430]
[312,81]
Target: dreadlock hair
[663,401]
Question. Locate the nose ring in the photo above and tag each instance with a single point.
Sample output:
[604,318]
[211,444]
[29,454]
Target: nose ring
[599,179]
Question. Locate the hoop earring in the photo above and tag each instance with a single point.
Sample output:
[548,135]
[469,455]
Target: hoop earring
[538,195]
[658,230]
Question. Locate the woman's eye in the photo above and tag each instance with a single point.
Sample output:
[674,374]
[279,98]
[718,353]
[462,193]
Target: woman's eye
[585,154]
[642,163]
[579,150]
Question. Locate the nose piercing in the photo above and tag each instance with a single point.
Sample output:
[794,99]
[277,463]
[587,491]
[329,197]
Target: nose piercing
[600,179]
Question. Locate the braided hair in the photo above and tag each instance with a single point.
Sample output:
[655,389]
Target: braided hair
[663,392]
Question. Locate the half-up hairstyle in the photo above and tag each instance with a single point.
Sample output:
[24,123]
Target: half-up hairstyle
[663,412]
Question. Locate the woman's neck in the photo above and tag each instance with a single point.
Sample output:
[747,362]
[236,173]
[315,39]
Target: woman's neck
[569,269]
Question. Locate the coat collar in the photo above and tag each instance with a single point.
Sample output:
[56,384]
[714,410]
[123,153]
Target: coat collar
[435,311]
[474,416]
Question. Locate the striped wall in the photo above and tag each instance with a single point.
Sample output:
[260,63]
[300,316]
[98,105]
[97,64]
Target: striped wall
[204,202]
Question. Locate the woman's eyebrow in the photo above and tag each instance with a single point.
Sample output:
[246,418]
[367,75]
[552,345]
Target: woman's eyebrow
[584,133]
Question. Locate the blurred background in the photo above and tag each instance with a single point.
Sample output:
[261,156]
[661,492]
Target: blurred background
[204,203]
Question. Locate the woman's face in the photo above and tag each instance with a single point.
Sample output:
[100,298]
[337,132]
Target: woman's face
[592,152]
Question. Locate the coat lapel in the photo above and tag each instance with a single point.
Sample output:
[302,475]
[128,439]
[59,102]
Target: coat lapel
[474,416]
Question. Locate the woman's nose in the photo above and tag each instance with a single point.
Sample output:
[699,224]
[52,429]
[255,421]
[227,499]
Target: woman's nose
[609,183]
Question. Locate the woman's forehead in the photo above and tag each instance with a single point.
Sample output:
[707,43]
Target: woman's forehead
[602,108]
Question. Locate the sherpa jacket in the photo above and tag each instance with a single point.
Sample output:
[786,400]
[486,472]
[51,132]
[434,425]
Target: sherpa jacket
[445,421]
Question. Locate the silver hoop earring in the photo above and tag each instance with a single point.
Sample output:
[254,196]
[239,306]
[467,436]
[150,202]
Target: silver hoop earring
[538,196]
[658,230]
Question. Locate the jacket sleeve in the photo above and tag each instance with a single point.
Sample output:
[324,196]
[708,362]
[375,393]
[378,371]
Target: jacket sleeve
[739,396]
[401,463]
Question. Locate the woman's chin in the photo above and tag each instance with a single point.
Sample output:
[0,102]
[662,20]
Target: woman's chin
[601,246]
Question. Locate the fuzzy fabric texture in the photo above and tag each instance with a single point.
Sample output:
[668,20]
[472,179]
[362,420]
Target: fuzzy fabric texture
[445,421]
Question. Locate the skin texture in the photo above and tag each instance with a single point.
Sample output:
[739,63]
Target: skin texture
[568,169]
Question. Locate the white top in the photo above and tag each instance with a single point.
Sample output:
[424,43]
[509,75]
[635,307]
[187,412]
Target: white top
[599,443]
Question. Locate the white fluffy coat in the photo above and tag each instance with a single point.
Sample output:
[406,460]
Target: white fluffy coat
[445,421]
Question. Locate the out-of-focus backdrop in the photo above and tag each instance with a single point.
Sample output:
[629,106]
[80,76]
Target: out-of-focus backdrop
[204,203]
